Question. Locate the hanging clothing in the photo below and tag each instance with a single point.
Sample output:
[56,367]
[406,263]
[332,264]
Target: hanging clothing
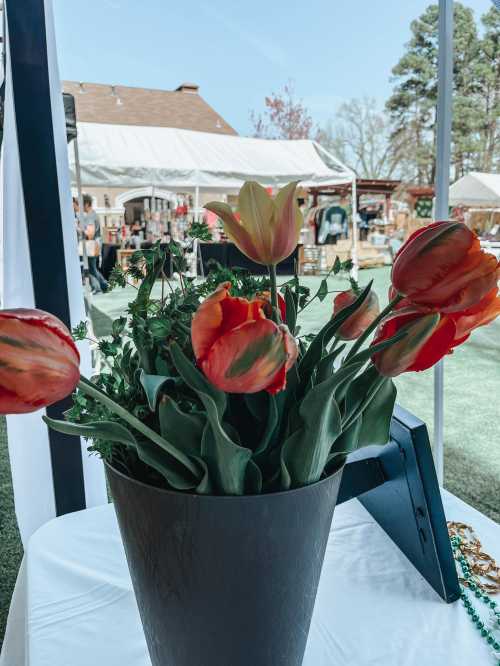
[333,225]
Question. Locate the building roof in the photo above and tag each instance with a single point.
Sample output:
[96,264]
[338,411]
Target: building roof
[182,108]
[363,186]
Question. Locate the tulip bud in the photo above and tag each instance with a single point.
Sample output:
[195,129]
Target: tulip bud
[237,348]
[39,362]
[442,267]
[429,337]
[359,321]
[266,230]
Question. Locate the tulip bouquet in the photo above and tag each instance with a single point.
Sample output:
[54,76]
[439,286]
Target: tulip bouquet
[212,389]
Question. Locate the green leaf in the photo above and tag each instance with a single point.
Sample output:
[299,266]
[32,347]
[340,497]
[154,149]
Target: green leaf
[184,431]
[305,452]
[272,423]
[205,486]
[291,310]
[160,328]
[377,415]
[337,266]
[253,481]
[106,430]
[226,461]
[322,292]
[175,474]
[360,392]
[195,380]
[151,454]
[326,365]
[347,441]
[152,385]
[118,326]
[367,353]
[154,268]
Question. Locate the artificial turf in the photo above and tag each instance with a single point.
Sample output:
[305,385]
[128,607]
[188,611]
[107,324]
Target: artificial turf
[472,423]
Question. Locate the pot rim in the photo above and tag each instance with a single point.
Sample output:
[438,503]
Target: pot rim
[196,496]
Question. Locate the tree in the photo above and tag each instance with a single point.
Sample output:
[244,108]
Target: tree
[285,117]
[488,76]
[361,138]
[412,106]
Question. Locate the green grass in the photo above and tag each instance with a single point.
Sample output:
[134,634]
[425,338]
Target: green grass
[10,545]
[472,423]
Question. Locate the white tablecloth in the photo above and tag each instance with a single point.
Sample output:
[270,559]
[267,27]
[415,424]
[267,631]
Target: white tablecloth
[74,605]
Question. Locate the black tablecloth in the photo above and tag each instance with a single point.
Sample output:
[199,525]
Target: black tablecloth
[108,258]
[229,256]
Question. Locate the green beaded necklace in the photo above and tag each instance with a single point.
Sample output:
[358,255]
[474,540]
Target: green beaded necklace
[470,581]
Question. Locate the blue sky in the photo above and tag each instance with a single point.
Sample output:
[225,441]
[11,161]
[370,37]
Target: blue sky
[238,52]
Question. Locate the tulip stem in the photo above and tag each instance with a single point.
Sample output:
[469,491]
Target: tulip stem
[89,389]
[369,330]
[274,294]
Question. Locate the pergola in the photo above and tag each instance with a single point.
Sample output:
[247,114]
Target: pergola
[370,186]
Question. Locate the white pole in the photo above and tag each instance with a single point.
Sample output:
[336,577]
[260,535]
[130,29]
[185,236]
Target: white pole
[196,203]
[88,291]
[354,206]
[442,186]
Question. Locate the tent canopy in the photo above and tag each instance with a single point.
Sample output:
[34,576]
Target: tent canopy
[133,156]
[476,189]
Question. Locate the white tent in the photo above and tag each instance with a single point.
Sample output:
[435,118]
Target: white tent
[133,156]
[476,189]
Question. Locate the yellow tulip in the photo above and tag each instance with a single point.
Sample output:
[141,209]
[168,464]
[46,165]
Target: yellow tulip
[267,230]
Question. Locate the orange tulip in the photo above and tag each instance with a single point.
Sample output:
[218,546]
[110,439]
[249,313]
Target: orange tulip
[359,321]
[429,336]
[267,230]
[442,267]
[237,348]
[39,362]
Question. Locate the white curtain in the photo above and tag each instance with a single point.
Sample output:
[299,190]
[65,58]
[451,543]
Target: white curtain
[28,437]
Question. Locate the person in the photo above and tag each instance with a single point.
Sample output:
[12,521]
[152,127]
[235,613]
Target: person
[91,228]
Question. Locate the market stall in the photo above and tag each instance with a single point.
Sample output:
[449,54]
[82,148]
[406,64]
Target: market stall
[152,182]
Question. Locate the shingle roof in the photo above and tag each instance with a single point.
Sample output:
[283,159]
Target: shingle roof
[183,108]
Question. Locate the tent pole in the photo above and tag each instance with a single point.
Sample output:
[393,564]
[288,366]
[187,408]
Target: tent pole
[86,276]
[354,206]
[196,203]
[442,186]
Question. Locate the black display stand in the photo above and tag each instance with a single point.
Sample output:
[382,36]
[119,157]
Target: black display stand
[397,484]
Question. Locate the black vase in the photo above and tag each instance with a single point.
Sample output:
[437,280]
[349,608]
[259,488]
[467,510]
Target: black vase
[224,581]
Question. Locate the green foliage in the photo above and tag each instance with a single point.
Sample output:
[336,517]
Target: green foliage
[412,105]
[154,414]
[79,332]
[201,231]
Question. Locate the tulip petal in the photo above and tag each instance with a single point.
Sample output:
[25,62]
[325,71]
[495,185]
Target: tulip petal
[287,223]
[218,314]
[246,359]
[429,254]
[429,338]
[256,209]
[481,315]
[359,321]
[234,229]
[39,363]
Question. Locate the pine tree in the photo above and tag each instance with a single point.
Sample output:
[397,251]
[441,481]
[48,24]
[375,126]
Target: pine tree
[412,106]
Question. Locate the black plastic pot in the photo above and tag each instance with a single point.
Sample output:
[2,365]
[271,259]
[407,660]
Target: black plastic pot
[224,581]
